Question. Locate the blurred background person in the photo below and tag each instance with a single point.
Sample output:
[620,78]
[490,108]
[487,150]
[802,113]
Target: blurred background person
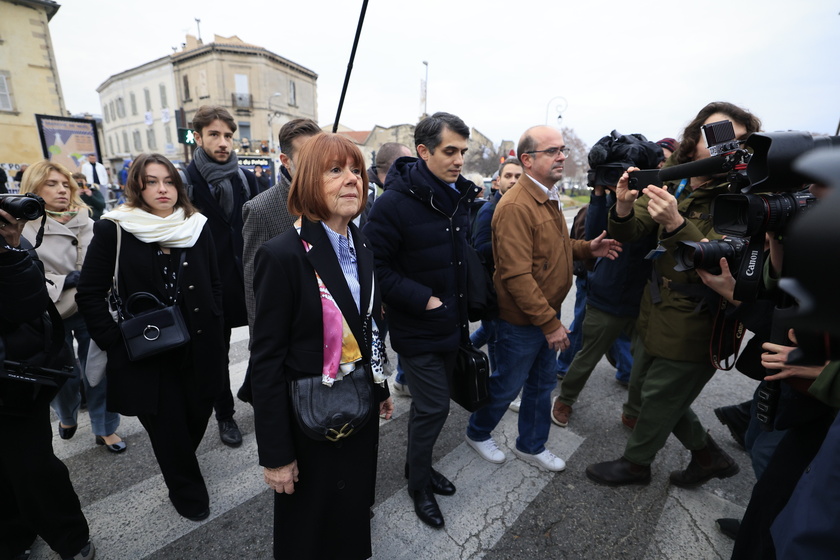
[67,234]
[172,393]
[90,195]
[306,279]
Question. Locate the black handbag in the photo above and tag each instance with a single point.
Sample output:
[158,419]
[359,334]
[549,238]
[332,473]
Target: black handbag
[327,413]
[158,327]
[154,331]
[470,385]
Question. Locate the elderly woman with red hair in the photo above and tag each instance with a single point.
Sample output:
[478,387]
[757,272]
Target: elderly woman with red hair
[316,300]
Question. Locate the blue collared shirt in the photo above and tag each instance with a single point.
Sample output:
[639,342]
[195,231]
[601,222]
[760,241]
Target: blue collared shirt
[346,253]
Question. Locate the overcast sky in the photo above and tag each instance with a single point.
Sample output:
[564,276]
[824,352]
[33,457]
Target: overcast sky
[642,66]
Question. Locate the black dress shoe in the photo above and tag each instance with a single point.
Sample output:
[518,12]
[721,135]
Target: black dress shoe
[118,447]
[438,483]
[229,433]
[66,433]
[618,473]
[426,507]
[200,517]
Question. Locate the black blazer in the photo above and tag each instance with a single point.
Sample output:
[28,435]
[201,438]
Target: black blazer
[227,235]
[288,338]
[133,386]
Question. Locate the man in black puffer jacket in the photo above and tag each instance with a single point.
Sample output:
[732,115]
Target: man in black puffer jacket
[418,232]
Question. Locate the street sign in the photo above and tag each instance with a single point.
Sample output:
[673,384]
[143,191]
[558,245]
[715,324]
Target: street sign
[185,136]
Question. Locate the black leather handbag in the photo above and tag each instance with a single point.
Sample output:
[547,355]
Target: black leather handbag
[327,413]
[470,385]
[151,332]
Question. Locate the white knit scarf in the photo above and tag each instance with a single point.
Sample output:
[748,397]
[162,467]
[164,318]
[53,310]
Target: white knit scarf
[175,230]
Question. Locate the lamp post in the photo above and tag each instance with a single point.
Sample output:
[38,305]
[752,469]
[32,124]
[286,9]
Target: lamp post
[271,139]
[561,106]
[425,89]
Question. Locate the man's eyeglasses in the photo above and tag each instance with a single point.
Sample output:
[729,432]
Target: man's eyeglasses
[551,152]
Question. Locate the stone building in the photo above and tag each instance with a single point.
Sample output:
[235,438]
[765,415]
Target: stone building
[29,82]
[144,106]
[482,156]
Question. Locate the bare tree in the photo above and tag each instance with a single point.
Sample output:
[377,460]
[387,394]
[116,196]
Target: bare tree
[577,162]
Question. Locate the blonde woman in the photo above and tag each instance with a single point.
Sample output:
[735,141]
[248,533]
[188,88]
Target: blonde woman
[67,233]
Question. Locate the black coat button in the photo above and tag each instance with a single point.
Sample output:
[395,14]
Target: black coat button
[340,485]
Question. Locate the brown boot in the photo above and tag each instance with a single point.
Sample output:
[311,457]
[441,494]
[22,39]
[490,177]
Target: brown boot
[618,473]
[706,464]
[628,421]
[560,413]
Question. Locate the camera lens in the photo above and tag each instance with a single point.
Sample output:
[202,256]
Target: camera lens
[706,255]
[23,207]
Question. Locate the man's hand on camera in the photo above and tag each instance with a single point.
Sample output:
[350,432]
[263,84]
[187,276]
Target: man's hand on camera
[10,229]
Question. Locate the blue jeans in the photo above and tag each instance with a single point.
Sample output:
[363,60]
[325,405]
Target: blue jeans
[486,334]
[524,362]
[564,359]
[66,402]
[400,377]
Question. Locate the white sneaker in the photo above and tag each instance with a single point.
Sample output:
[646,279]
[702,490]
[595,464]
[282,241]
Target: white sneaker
[488,449]
[545,460]
[399,389]
[514,406]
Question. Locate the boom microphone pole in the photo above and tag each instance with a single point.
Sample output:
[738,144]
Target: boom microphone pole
[350,65]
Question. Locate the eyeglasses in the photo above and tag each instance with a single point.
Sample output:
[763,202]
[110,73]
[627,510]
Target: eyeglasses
[552,152]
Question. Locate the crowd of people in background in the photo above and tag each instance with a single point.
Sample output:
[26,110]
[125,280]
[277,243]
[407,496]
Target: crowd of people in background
[325,261]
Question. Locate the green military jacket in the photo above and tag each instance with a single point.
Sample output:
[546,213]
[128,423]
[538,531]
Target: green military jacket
[679,327]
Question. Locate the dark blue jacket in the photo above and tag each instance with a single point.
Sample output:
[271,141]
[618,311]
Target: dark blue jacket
[616,287]
[418,230]
[482,239]
[227,236]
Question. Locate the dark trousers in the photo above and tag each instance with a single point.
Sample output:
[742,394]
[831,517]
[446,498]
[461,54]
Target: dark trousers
[428,376]
[175,432]
[771,493]
[224,400]
[36,495]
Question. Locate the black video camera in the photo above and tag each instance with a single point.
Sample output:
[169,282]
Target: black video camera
[746,215]
[27,206]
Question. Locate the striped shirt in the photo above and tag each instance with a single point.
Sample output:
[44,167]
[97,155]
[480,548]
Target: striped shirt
[346,253]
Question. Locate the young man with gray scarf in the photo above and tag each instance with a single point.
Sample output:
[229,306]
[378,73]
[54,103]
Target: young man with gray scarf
[218,187]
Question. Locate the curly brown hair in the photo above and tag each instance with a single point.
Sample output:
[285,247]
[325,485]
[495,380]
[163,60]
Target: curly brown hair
[691,134]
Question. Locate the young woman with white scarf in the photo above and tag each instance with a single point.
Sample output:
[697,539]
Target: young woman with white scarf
[171,393]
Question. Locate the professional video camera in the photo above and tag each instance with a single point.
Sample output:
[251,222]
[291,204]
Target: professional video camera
[613,154]
[27,206]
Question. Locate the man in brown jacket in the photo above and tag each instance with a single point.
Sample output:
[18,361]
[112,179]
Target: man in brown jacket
[533,255]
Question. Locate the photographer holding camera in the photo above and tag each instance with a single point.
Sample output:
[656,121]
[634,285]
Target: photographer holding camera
[36,495]
[675,321]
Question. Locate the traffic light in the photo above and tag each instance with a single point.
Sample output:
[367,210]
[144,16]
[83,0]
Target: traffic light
[185,136]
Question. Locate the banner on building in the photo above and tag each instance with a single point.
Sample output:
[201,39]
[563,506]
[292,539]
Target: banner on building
[68,140]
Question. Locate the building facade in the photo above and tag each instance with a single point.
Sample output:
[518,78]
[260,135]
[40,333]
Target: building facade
[29,82]
[143,107]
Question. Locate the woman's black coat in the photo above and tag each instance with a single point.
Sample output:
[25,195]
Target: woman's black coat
[288,337]
[133,386]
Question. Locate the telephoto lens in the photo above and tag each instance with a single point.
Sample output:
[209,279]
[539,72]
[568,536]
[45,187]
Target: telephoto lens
[706,255]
